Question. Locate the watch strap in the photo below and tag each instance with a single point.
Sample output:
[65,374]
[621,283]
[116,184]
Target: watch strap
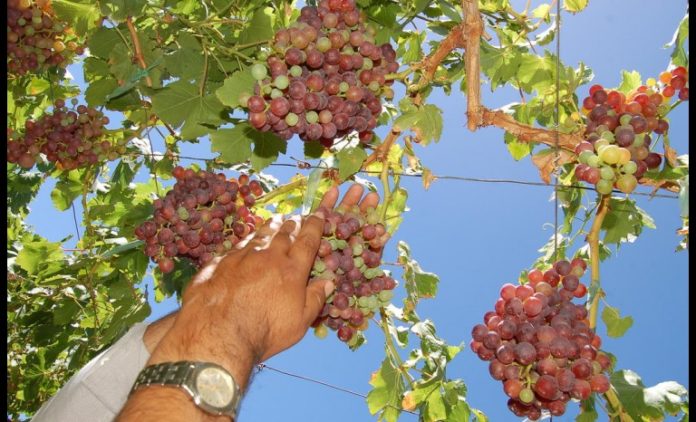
[182,374]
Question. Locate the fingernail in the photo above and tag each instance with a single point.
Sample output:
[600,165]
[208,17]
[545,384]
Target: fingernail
[319,214]
[329,288]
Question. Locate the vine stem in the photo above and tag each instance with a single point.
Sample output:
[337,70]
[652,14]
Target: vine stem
[88,239]
[381,152]
[593,240]
[265,199]
[384,323]
[138,50]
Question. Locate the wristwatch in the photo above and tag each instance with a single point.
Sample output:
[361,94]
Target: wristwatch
[212,388]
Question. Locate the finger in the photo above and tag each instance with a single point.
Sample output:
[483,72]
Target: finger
[330,198]
[352,196]
[304,249]
[371,200]
[281,241]
[317,292]
[263,235]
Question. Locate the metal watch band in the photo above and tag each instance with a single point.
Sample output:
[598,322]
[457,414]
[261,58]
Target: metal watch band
[182,374]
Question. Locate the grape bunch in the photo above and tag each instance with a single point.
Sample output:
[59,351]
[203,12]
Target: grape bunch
[616,151]
[324,77]
[673,82]
[204,215]
[71,137]
[539,343]
[350,255]
[35,39]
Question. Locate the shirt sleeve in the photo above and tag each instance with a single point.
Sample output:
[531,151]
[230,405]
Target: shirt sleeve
[100,389]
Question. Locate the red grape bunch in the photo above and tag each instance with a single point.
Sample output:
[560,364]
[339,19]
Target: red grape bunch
[35,39]
[350,254]
[324,77]
[72,138]
[539,343]
[616,151]
[204,215]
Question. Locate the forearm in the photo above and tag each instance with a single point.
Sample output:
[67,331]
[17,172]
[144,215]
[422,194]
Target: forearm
[185,342]
[156,331]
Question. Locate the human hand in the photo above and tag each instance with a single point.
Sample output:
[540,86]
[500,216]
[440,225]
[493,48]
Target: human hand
[255,302]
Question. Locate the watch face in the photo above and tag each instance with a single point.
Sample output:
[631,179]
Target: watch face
[215,387]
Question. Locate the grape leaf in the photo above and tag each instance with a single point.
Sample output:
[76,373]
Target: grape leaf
[517,149]
[102,41]
[575,6]
[180,102]
[36,252]
[616,325]
[419,284]
[239,82]
[313,149]
[680,56]
[435,407]
[547,161]
[82,15]
[542,11]
[267,147]
[425,122]
[234,145]
[386,393]
[629,81]
[349,161]
[119,10]
[587,411]
[624,221]
[68,187]
[25,185]
[260,27]
[646,403]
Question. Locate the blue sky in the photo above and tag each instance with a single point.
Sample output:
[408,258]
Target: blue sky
[477,237]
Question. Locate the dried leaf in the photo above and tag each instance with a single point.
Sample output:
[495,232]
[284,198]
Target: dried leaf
[547,161]
[671,156]
[428,178]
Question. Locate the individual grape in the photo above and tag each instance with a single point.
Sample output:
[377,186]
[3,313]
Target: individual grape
[259,71]
[546,387]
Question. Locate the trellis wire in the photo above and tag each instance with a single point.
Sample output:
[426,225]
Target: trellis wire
[262,366]
[557,114]
[304,166]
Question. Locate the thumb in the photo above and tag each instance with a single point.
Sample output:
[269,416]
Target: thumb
[317,292]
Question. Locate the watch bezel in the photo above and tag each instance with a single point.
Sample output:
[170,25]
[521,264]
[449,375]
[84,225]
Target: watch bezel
[191,387]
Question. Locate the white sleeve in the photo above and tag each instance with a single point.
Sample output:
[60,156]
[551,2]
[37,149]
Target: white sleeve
[100,389]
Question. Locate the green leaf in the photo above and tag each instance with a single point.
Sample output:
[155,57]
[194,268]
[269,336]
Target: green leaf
[420,284]
[425,122]
[267,147]
[350,161]
[82,15]
[435,408]
[119,10]
[395,209]
[180,102]
[625,221]
[64,313]
[387,391]
[68,187]
[260,27]
[680,56]
[24,187]
[234,145]
[629,81]
[186,62]
[542,11]
[36,253]
[313,149]
[587,411]
[616,326]
[646,403]
[239,82]
[575,6]
[518,150]
[313,182]
[97,91]
[102,41]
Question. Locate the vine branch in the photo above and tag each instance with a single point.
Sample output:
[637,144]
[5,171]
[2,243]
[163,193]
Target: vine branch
[474,29]
[138,49]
